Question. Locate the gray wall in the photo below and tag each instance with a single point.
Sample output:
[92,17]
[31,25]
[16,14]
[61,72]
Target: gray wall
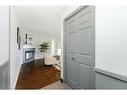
[107,82]
[5,76]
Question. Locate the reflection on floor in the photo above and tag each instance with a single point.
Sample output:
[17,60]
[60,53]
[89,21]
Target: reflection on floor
[57,85]
[36,75]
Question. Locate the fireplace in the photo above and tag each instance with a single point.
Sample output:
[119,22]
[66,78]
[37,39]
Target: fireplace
[28,55]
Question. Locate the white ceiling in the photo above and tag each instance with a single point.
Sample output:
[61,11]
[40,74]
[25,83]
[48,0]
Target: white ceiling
[45,20]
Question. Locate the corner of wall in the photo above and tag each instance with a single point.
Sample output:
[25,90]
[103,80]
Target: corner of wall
[15,53]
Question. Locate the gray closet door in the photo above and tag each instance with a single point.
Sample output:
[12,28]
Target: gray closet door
[84,76]
[85,36]
[80,45]
[86,41]
[71,50]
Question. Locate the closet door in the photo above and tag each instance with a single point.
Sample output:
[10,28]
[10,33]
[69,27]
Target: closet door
[80,47]
[72,71]
[84,76]
[71,51]
[85,37]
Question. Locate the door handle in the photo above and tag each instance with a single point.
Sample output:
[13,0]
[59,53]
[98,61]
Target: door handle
[72,58]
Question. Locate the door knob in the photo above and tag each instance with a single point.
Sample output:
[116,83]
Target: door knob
[73,58]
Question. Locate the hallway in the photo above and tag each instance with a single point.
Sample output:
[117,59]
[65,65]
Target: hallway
[86,43]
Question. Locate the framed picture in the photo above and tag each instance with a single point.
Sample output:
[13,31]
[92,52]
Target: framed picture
[29,39]
[18,38]
[17,35]
[19,44]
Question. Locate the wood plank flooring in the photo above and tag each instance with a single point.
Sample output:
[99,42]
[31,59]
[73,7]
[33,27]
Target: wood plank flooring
[36,75]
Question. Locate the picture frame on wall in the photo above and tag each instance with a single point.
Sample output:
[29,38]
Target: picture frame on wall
[18,38]
[17,35]
[19,44]
[29,39]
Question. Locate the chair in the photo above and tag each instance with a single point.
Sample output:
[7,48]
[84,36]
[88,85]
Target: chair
[49,60]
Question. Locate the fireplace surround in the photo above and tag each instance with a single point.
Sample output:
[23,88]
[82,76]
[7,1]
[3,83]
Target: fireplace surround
[28,55]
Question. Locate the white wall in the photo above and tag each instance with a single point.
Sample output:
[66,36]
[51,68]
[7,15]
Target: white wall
[68,11]
[15,53]
[41,39]
[4,34]
[111,39]
[23,37]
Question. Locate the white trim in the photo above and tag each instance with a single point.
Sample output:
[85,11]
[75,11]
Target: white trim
[110,74]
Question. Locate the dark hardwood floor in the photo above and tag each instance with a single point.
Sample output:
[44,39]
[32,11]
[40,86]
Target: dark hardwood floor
[35,75]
